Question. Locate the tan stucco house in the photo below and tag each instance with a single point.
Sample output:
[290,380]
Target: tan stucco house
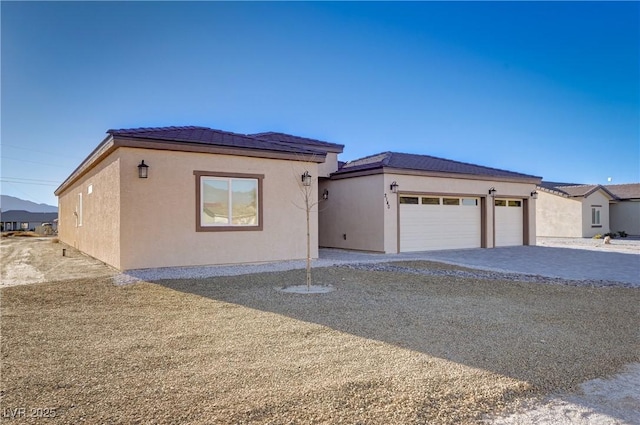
[624,214]
[583,210]
[396,202]
[186,196]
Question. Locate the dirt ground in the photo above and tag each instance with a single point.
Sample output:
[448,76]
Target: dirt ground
[386,348]
[27,260]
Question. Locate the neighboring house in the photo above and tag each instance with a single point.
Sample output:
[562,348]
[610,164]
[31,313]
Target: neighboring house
[209,197]
[187,196]
[396,202]
[583,210]
[26,220]
[624,214]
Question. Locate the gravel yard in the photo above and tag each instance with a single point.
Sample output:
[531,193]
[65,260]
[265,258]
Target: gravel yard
[404,342]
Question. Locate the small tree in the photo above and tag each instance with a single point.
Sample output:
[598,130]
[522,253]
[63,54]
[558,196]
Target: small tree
[309,203]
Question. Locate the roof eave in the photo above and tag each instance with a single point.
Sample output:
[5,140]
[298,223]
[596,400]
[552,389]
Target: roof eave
[378,169]
[111,143]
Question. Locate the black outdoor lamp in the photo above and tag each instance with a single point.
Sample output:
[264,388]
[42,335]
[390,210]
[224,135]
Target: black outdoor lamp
[143,170]
[534,195]
[394,187]
[306,179]
[325,194]
[492,191]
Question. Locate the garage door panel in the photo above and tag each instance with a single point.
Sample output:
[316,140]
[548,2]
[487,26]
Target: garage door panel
[432,227]
[509,224]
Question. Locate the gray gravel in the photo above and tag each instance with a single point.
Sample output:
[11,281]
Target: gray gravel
[486,275]
[523,263]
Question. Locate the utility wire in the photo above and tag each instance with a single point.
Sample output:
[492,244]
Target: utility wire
[34,162]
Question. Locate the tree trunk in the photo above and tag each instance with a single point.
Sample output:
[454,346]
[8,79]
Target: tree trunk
[308,244]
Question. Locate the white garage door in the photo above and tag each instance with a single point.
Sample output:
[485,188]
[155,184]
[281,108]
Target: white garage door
[429,222]
[509,222]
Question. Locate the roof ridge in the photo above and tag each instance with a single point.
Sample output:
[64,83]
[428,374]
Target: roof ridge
[150,129]
[463,163]
[368,156]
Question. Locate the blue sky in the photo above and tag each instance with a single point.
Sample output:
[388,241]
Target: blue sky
[543,88]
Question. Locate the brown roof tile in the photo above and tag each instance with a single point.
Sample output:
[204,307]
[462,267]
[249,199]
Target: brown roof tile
[209,136]
[425,163]
[625,191]
[299,141]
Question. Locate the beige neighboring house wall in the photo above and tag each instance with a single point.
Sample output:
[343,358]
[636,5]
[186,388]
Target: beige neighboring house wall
[94,227]
[600,200]
[558,216]
[625,216]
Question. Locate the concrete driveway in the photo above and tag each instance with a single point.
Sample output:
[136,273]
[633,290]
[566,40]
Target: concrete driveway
[565,263]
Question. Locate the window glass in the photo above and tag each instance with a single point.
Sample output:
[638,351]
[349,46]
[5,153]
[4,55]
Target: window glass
[229,201]
[469,201]
[595,216]
[431,201]
[215,201]
[500,203]
[515,203]
[409,200]
[450,201]
[244,201]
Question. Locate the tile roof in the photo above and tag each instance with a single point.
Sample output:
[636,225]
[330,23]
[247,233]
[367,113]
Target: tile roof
[209,136]
[24,216]
[296,140]
[573,190]
[425,163]
[625,191]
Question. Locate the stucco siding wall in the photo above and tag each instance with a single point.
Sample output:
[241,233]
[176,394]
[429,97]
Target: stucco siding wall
[355,208]
[625,215]
[557,216]
[329,166]
[99,233]
[595,199]
[159,213]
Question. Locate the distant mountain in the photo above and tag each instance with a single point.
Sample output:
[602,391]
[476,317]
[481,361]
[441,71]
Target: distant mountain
[8,203]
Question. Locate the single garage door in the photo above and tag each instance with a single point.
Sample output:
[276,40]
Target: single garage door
[430,222]
[509,222]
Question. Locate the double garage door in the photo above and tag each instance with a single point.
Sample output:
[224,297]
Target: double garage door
[431,222]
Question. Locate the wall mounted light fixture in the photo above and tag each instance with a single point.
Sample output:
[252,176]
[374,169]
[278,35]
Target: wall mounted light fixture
[534,195]
[306,179]
[394,187]
[492,191]
[325,194]
[143,170]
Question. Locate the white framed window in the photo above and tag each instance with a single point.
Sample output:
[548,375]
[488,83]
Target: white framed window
[596,211]
[228,201]
[79,211]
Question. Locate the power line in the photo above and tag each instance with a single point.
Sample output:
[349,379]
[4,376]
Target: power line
[32,180]
[32,150]
[36,184]
[34,162]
